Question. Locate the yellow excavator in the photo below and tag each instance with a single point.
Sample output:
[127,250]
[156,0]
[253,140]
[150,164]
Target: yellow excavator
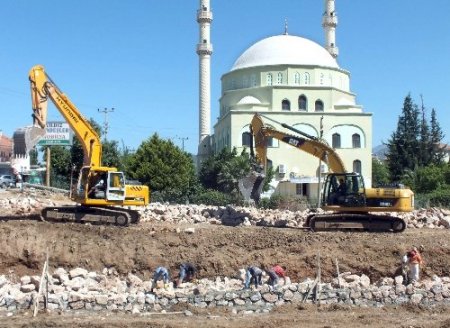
[101,191]
[348,205]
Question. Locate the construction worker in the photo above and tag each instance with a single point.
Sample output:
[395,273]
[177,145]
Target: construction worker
[253,274]
[161,273]
[187,272]
[414,260]
[275,273]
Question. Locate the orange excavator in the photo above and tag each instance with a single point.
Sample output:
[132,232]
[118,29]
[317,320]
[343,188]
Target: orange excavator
[348,205]
[101,192]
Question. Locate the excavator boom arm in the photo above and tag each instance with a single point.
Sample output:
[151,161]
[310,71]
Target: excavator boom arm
[314,147]
[43,88]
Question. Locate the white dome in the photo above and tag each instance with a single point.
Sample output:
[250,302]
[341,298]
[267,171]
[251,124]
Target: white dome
[249,100]
[285,50]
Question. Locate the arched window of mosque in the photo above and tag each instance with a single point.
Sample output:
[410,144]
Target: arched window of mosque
[307,79]
[302,103]
[321,78]
[280,78]
[336,140]
[246,139]
[356,140]
[286,104]
[297,78]
[319,106]
[253,80]
[357,166]
[269,79]
[269,164]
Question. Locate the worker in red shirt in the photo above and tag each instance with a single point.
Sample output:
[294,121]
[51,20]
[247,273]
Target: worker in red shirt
[275,273]
[414,260]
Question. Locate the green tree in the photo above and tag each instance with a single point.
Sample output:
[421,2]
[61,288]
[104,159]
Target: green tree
[438,151]
[212,168]
[60,168]
[425,146]
[165,168]
[380,173]
[403,146]
[111,154]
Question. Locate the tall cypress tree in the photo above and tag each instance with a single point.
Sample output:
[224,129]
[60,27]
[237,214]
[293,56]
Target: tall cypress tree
[403,146]
[438,151]
[425,146]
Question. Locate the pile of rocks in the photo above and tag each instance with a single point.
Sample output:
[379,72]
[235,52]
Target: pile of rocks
[28,203]
[79,289]
[433,218]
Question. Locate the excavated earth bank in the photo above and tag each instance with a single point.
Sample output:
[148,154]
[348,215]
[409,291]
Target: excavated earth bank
[218,251]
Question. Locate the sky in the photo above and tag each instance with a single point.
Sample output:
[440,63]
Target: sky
[138,57]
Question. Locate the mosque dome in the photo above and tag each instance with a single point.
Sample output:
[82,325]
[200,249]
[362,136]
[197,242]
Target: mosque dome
[285,50]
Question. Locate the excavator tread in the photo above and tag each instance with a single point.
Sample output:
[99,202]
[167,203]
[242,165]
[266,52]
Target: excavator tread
[355,221]
[96,215]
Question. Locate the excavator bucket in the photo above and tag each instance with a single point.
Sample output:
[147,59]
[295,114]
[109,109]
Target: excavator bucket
[251,186]
[26,138]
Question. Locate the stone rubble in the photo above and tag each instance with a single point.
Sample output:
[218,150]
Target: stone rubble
[79,289]
[29,203]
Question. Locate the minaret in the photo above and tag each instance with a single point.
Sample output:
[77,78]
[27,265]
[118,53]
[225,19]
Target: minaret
[329,23]
[204,51]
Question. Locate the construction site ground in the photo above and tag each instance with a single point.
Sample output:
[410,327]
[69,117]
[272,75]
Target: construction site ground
[220,251]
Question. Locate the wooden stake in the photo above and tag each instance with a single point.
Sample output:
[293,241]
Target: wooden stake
[319,274]
[337,272]
[44,276]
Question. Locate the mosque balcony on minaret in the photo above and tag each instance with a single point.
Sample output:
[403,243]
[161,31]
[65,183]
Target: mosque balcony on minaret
[334,51]
[329,20]
[204,48]
[204,16]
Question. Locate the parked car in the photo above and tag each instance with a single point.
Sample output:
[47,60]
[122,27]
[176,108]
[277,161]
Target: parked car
[7,181]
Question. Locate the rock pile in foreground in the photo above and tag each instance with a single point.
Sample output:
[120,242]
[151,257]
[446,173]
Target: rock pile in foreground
[79,289]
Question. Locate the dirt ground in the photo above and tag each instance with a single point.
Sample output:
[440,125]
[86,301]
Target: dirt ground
[221,251]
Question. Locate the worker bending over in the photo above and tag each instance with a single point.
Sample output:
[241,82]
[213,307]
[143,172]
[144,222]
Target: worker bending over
[187,272]
[161,273]
[253,274]
[275,273]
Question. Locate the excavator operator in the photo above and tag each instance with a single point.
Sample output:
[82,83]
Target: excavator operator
[98,189]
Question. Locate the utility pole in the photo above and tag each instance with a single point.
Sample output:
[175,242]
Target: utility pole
[182,141]
[105,120]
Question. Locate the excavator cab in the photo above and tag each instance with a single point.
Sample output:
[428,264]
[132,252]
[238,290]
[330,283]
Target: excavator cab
[100,184]
[344,190]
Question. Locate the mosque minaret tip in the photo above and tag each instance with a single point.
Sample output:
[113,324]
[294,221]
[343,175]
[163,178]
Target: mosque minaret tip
[204,51]
[329,23]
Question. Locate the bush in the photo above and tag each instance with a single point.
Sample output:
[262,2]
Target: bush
[212,197]
[440,198]
[283,202]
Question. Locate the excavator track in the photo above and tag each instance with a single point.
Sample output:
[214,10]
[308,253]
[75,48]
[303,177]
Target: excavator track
[97,215]
[355,221]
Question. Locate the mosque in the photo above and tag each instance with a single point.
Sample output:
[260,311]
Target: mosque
[293,80]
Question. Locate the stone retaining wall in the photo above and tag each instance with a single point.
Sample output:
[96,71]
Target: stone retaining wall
[79,289]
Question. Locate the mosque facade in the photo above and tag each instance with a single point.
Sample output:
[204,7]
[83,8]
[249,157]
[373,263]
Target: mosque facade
[293,80]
